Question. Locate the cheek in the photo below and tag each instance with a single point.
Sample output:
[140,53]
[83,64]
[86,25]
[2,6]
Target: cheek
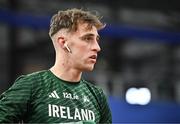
[81,57]
[81,49]
[78,53]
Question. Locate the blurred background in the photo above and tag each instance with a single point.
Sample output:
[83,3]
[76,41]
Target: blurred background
[138,67]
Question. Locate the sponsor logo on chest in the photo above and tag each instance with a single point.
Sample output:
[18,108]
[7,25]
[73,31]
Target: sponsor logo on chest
[68,95]
[72,114]
[67,112]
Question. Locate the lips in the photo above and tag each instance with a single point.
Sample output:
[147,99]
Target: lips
[93,57]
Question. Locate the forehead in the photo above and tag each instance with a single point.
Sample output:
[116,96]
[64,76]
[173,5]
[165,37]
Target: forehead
[83,29]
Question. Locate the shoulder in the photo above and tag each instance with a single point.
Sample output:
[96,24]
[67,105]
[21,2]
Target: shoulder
[94,88]
[32,76]
[91,84]
[29,82]
[98,93]
[36,74]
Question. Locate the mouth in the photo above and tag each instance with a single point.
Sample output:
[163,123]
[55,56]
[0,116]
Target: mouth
[93,58]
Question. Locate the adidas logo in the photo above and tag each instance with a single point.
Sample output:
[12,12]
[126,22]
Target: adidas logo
[54,95]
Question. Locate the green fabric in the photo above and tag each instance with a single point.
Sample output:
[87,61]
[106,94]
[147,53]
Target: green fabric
[41,97]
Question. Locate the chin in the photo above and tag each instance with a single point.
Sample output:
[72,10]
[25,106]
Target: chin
[89,68]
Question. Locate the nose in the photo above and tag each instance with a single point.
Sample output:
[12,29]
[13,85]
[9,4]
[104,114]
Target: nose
[96,46]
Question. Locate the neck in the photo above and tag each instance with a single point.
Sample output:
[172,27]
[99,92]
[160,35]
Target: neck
[66,73]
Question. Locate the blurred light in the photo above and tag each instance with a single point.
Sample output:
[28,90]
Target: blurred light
[139,96]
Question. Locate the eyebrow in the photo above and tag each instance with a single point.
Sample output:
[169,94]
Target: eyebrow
[89,34]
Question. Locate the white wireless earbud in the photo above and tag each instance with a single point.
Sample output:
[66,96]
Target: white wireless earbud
[68,49]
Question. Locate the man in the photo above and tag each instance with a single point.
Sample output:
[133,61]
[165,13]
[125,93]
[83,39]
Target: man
[60,95]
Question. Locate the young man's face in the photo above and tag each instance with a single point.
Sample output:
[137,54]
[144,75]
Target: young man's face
[84,44]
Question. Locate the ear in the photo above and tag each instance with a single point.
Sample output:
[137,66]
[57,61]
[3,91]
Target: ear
[61,41]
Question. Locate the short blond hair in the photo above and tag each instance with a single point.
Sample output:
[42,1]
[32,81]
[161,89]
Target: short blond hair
[69,19]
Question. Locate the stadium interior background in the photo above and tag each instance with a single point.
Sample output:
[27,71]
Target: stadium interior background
[140,48]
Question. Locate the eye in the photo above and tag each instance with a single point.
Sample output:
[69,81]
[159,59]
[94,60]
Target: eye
[87,38]
[98,39]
